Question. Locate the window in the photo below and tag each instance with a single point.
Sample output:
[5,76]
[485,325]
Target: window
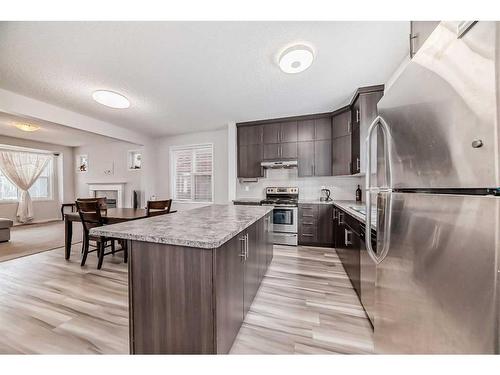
[41,189]
[192,173]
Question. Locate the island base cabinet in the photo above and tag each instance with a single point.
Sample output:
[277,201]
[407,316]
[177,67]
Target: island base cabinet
[185,300]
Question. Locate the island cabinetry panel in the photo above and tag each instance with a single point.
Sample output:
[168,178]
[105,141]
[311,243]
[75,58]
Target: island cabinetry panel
[229,298]
[186,300]
[170,290]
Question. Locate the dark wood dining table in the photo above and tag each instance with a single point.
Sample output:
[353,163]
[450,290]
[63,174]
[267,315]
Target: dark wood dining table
[110,216]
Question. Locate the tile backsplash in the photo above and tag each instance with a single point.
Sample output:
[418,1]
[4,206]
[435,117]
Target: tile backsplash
[342,188]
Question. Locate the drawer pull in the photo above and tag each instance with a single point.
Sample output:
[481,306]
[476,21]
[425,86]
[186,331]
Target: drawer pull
[307,235]
[307,223]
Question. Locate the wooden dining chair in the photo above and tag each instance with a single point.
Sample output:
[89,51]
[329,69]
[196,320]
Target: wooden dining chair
[155,208]
[103,201]
[90,216]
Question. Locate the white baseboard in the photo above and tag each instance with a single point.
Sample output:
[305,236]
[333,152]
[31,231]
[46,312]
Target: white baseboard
[17,224]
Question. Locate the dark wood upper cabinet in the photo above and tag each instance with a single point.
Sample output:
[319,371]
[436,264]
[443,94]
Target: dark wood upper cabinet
[419,32]
[306,159]
[272,133]
[288,150]
[356,137]
[250,135]
[305,130]
[323,128]
[280,132]
[249,159]
[341,156]
[341,124]
[323,157]
[288,131]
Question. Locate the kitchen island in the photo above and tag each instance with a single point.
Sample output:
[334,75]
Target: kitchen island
[193,276]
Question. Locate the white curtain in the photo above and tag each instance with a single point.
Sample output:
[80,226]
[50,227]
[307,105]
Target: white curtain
[23,169]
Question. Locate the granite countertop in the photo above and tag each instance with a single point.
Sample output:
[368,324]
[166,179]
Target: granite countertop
[314,201]
[351,206]
[206,227]
[249,201]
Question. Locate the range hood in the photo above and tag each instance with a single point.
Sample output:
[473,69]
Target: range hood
[279,164]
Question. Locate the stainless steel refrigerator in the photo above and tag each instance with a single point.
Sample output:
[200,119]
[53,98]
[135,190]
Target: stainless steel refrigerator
[438,190]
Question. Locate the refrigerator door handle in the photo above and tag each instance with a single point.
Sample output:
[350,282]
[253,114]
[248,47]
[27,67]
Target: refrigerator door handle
[382,253]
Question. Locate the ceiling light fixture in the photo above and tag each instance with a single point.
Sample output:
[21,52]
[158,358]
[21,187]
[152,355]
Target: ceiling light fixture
[296,59]
[27,127]
[110,99]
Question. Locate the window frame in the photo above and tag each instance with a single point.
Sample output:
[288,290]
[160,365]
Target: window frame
[173,173]
[51,181]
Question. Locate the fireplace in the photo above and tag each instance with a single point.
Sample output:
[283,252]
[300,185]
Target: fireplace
[111,196]
[113,193]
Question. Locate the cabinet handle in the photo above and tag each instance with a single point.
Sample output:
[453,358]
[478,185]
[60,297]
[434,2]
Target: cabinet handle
[341,217]
[242,248]
[307,215]
[411,39]
[246,247]
[307,223]
[307,235]
[358,167]
[357,115]
[349,126]
[347,233]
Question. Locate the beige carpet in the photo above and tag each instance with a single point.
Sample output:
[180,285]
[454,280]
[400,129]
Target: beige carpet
[35,238]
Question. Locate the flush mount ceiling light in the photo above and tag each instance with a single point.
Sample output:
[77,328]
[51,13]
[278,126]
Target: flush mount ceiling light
[110,99]
[296,59]
[27,127]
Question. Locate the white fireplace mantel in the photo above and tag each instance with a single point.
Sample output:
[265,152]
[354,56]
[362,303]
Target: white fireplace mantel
[119,187]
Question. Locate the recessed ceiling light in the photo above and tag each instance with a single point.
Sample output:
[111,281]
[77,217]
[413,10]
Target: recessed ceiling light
[296,59]
[110,99]
[27,127]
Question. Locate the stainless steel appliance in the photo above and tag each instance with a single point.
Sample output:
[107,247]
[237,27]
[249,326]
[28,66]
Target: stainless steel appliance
[325,195]
[279,164]
[368,271]
[438,228]
[285,213]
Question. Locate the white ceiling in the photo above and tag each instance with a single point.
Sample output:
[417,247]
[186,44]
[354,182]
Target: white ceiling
[49,132]
[191,76]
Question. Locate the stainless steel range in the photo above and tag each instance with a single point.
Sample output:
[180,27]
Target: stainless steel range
[285,213]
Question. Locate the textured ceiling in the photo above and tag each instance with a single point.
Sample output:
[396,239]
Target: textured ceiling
[192,76]
[48,132]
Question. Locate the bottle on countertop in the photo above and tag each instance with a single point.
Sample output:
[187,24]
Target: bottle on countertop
[358,194]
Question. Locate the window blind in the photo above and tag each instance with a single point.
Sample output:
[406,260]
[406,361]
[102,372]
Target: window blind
[193,173]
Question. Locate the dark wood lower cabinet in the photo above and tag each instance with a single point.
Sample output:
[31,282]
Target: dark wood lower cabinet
[316,224]
[185,300]
[348,246]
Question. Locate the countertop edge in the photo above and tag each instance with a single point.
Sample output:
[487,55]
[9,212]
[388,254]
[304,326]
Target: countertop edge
[344,205]
[207,245]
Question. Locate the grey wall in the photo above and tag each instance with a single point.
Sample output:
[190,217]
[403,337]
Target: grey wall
[100,155]
[64,187]
[219,140]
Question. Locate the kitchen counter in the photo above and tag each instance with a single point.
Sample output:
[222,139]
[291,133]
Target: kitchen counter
[207,227]
[248,201]
[314,201]
[351,208]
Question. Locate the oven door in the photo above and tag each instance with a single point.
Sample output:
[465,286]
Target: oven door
[285,219]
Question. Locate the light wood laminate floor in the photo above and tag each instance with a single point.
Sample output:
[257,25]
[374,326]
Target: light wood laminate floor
[306,304]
